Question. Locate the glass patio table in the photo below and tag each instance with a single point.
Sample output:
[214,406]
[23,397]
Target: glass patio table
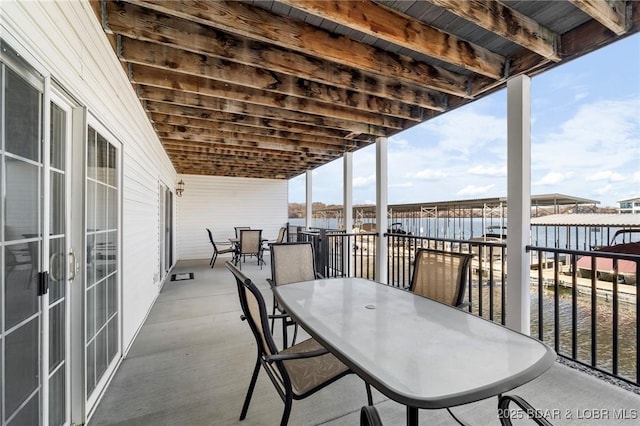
[414,350]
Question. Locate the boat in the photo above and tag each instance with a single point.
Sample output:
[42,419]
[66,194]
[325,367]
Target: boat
[625,241]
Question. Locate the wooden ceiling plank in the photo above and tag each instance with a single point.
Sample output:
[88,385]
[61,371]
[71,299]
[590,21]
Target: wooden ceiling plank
[142,53]
[227,128]
[225,105]
[303,89]
[258,24]
[610,13]
[241,139]
[506,22]
[215,149]
[169,114]
[144,24]
[389,25]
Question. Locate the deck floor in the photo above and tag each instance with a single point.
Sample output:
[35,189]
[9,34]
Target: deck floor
[192,360]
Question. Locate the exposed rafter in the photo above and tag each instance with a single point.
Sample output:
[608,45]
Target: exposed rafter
[610,13]
[271,89]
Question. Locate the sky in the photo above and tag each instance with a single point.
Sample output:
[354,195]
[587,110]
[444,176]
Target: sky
[585,142]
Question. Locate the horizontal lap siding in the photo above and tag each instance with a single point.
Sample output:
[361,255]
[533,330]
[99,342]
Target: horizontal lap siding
[220,204]
[66,41]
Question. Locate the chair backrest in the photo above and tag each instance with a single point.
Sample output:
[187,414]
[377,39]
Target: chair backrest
[250,241]
[292,262]
[281,233]
[255,311]
[440,275]
[238,229]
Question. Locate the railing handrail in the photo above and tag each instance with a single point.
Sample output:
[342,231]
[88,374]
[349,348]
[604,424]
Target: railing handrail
[593,253]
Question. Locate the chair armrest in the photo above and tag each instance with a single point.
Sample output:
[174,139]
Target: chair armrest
[297,355]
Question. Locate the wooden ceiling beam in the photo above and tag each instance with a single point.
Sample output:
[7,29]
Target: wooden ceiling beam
[240,139]
[274,163]
[389,25]
[226,130]
[506,22]
[177,146]
[610,13]
[258,24]
[169,114]
[300,89]
[143,24]
[144,53]
[226,105]
[274,166]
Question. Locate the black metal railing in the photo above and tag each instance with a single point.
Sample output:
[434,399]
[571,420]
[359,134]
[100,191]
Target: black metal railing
[586,308]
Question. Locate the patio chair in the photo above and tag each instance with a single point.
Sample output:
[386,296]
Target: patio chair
[441,275]
[290,262]
[250,244]
[266,246]
[298,371]
[216,252]
[238,229]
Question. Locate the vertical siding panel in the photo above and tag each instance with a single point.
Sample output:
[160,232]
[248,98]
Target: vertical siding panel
[220,203]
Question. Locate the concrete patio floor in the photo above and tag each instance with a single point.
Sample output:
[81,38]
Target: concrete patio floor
[192,361]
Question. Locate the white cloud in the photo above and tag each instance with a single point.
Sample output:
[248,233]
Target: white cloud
[361,181]
[475,190]
[428,174]
[603,190]
[606,175]
[553,178]
[636,177]
[488,170]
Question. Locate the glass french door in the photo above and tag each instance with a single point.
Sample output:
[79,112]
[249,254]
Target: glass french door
[34,350]
[102,271]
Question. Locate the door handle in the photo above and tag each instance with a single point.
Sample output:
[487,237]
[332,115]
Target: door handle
[54,267]
[74,265]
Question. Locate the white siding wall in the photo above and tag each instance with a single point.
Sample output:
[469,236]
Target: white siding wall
[220,203]
[64,40]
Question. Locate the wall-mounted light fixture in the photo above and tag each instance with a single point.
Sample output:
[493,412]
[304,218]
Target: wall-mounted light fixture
[180,188]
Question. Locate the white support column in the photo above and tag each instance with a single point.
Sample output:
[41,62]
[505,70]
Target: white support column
[518,316]
[381,208]
[348,191]
[308,217]
[347,202]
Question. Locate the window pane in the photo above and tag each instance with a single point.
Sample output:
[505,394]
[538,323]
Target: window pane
[22,117]
[58,132]
[56,335]
[21,295]
[57,220]
[22,200]
[57,398]
[21,366]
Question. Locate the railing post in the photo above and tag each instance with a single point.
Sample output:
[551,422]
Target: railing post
[322,253]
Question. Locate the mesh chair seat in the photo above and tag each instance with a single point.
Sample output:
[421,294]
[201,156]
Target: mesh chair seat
[309,373]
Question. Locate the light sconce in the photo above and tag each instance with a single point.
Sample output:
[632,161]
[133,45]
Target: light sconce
[180,188]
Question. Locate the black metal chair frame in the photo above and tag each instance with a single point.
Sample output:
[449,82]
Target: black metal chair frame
[264,339]
[214,256]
